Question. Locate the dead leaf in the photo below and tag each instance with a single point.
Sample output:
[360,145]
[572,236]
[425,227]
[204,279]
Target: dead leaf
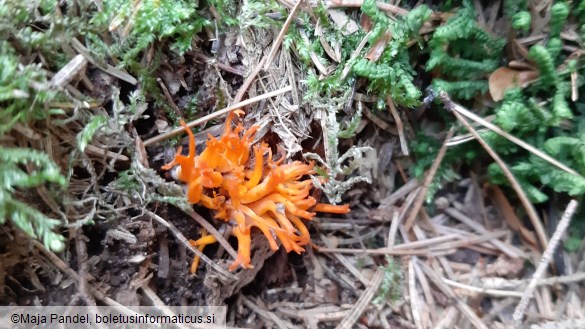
[366,22]
[506,211]
[505,78]
[334,55]
[378,47]
[345,24]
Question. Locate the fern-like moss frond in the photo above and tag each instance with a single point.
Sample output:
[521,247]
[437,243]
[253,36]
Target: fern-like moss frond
[521,21]
[545,62]
[559,13]
[12,177]
[461,89]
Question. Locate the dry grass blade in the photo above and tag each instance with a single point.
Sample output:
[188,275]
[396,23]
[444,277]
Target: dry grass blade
[413,293]
[109,69]
[348,265]
[280,37]
[316,61]
[420,198]
[504,247]
[194,250]
[399,126]
[463,111]
[280,323]
[405,189]
[506,211]
[534,218]
[498,283]
[354,55]
[357,310]
[69,71]
[216,114]
[461,306]
[212,230]
[244,88]
[470,240]
[546,256]
[481,290]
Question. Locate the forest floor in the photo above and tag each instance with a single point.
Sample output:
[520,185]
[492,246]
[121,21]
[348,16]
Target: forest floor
[415,251]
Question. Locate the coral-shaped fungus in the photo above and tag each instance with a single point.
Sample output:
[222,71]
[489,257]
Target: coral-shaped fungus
[249,192]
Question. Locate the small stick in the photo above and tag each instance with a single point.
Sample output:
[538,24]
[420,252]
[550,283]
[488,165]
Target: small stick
[213,231]
[420,198]
[194,250]
[249,80]
[544,260]
[399,126]
[280,37]
[169,98]
[457,110]
[109,69]
[219,64]
[216,114]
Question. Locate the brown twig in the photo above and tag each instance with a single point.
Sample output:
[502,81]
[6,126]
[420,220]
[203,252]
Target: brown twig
[109,69]
[219,64]
[175,231]
[534,218]
[212,230]
[280,37]
[169,98]
[399,126]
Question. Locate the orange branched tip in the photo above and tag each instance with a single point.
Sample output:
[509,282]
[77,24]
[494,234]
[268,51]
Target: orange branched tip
[334,209]
[247,188]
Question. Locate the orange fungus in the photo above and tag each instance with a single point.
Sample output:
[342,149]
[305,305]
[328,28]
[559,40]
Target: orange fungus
[249,191]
